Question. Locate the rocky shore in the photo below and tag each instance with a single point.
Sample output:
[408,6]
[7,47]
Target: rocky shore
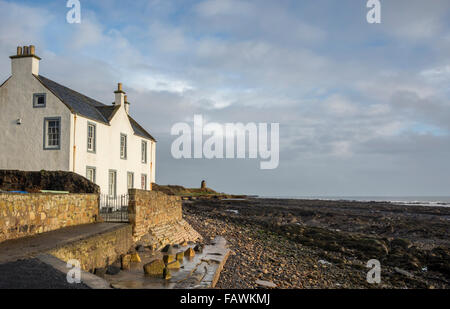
[326,244]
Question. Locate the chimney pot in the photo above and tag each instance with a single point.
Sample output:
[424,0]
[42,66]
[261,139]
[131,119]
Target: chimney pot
[25,50]
[19,50]
[119,86]
[32,50]
[127,104]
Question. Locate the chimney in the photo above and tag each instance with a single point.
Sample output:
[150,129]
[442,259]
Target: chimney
[127,105]
[25,61]
[120,95]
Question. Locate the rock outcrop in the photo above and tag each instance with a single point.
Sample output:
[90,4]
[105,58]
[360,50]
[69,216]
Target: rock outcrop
[34,182]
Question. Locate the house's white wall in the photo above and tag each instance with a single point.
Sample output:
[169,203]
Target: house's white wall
[107,155]
[153,162]
[21,146]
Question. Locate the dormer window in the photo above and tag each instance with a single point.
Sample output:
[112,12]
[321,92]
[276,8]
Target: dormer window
[39,100]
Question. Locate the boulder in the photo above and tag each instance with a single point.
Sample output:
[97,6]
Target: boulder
[135,258]
[125,262]
[199,248]
[45,180]
[154,268]
[169,249]
[169,258]
[100,272]
[401,243]
[266,284]
[174,265]
[189,252]
[184,243]
[112,270]
[403,272]
[166,274]
[180,257]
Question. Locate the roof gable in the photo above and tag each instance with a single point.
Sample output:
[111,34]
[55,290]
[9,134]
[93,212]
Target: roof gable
[85,106]
[108,112]
[76,101]
[138,130]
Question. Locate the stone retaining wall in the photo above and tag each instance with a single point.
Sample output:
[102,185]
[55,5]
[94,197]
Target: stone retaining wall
[158,217]
[147,209]
[97,251]
[24,215]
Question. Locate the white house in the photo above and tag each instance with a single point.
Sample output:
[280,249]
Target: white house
[46,126]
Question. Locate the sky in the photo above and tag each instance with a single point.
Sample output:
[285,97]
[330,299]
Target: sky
[363,108]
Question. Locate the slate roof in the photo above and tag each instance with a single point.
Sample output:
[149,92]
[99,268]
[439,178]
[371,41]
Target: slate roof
[108,112]
[138,130]
[83,105]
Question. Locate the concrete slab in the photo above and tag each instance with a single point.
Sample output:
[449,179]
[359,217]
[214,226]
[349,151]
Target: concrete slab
[198,272]
[22,248]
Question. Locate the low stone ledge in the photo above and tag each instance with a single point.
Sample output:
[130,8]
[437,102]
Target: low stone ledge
[88,279]
[97,251]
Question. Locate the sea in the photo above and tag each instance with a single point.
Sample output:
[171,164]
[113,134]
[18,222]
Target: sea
[432,201]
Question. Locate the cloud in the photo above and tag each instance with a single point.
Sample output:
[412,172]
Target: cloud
[214,8]
[415,19]
[361,108]
[19,26]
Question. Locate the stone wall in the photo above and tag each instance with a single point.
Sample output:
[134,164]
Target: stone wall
[157,218]
[24,215]
[148,209]
[98,251]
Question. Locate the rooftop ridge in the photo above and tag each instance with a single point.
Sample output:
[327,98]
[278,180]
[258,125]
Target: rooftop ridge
[87,107]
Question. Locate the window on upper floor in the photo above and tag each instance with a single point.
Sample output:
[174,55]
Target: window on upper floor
[39,100]
[144,152]
[52,133]
[91,137]
[123,146]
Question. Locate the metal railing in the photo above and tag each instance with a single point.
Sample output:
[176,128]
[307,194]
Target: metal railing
[114,209]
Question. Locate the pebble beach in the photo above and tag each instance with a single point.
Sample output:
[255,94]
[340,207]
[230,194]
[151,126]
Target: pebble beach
[310,244]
